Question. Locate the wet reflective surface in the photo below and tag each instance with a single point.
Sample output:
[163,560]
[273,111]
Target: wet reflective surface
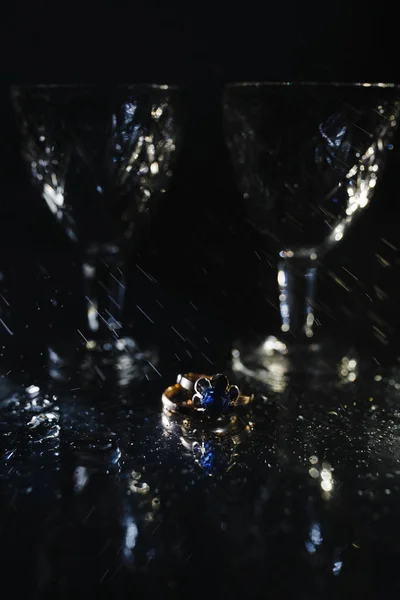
[98,497]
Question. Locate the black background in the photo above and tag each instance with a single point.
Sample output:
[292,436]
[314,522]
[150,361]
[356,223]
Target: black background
[200,250]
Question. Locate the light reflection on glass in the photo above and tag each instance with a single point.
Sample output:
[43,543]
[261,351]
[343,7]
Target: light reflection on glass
[274,364]
[322,473]
[348,369]
[81,477]
[327,482]
[362,179]
[33,390]
[315,534]
[131,534]
[315,538]
[337,567]
[310,547]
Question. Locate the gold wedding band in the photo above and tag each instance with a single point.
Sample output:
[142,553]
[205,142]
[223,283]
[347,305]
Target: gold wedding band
[188,380]
[178,398]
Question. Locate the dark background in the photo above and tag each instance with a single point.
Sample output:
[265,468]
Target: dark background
[200,251]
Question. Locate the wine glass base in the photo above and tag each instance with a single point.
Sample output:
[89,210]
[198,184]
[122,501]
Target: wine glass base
[274,362]
[117,363]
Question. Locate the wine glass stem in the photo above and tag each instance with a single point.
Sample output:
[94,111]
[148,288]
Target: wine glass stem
[297,279]
[104,288]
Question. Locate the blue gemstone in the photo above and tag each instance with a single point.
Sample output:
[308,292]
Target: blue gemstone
[207,460]
[212,398]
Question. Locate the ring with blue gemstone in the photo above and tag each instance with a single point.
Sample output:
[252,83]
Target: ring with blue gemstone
[215,394]
[199,393]
[177,398]
[199,407]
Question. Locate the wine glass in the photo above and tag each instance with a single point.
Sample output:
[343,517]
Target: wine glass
[308,157]
[102,158]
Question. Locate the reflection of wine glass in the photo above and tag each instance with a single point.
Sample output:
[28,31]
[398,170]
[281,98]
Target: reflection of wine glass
[308,157]
[101,158]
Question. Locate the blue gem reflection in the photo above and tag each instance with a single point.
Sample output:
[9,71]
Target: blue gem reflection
[207,459]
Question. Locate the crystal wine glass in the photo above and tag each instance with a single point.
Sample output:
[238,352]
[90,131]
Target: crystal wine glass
[307,157]
[102,157]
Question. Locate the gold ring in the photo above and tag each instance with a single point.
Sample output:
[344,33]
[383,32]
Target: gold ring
[188,380]
[195,392]
[207,431]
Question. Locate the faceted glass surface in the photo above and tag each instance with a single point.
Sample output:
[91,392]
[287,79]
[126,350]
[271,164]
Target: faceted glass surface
[308,156]
[100,156]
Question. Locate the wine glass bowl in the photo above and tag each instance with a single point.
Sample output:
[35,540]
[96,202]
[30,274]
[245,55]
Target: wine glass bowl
[102,158]
[307,157]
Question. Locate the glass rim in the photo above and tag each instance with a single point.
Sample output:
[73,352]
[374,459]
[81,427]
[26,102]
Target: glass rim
[107,86]
[344,84]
